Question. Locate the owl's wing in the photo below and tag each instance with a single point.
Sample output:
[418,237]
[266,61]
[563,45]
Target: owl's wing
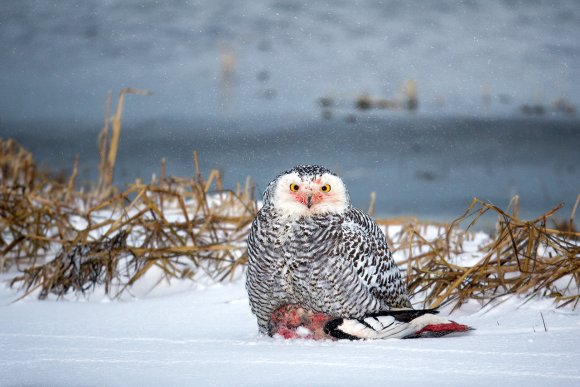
[262,269]
[366,246]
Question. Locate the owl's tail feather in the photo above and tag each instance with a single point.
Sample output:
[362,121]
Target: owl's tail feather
[399,324]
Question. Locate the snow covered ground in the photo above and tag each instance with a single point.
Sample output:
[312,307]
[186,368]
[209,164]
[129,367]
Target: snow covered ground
[181,335]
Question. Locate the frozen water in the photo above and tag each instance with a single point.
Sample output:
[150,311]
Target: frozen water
[279,56]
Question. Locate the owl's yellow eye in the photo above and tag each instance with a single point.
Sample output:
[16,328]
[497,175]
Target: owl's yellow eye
[294,187]
[325,188]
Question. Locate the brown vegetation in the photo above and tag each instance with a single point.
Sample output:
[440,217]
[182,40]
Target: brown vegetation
[523,257]
[65,240]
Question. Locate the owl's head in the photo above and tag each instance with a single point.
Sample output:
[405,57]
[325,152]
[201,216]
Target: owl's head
[307,190]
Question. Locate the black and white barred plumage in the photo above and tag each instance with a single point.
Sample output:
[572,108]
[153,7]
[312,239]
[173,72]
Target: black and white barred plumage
[308,246]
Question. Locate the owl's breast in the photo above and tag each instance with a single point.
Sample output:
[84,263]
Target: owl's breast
[306,250]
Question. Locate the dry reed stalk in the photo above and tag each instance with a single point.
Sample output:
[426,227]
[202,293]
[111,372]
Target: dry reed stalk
[573,214]
[72,179]
[103,145]
[371,210]
[108,148]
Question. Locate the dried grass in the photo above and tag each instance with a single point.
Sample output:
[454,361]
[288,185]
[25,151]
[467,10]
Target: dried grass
[524,258]
[73,242]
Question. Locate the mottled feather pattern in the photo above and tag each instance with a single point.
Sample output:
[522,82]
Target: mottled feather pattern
[337,263]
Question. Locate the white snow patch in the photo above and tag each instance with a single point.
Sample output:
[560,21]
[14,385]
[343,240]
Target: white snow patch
[208,336]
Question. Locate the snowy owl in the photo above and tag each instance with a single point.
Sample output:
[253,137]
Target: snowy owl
[319,267]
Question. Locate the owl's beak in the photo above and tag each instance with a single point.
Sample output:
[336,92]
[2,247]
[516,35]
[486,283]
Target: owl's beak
[308,201]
